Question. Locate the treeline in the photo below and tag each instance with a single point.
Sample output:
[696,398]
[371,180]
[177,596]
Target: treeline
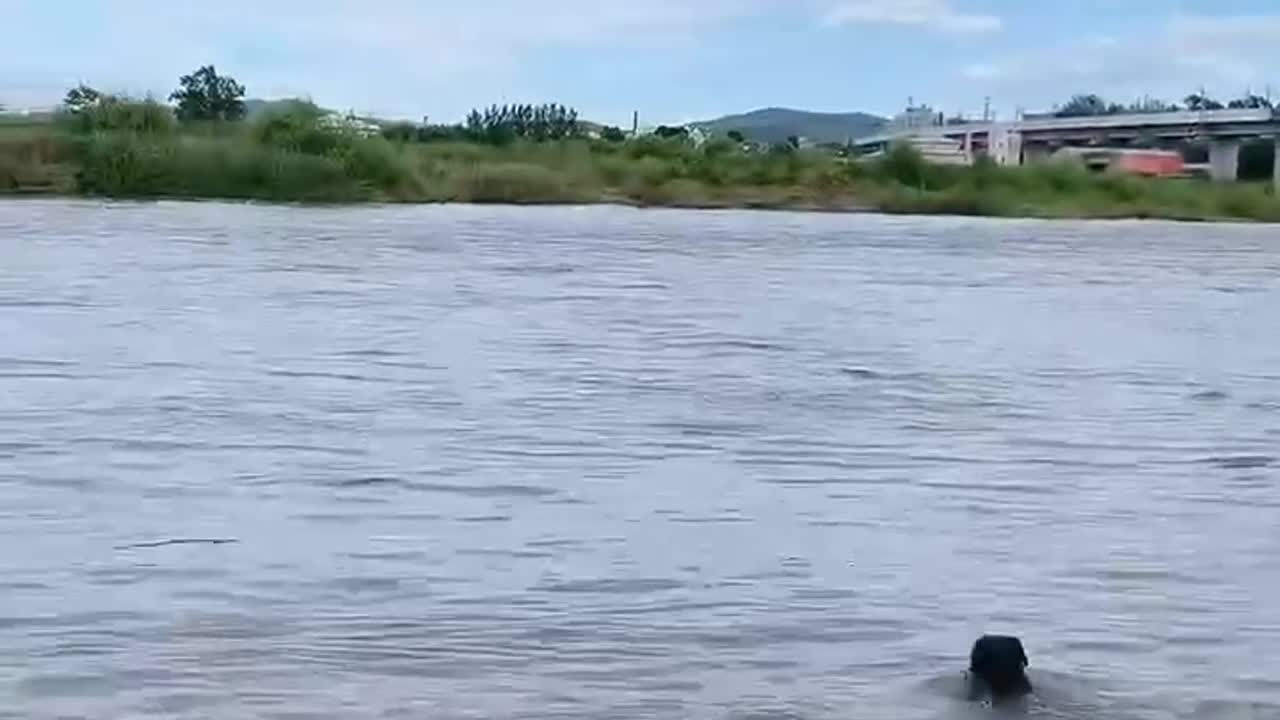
[206,97]
[203,143]
[1087,105]
[496,125]
[530,122]
[202,96]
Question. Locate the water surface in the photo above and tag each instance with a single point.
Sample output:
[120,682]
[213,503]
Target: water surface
[607,463]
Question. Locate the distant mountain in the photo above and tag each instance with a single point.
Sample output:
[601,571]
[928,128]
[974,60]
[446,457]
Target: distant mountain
[775,125]
[255,107]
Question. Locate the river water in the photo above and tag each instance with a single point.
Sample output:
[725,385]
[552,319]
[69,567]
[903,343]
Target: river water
[477,462]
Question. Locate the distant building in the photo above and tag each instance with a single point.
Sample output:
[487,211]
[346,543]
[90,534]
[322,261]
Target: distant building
[352,123]
[916,117]
[26,112]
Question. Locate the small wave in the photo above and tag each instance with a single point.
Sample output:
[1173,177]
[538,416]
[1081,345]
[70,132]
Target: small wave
[535,269]
[485,519]
[727,344]
[623,586]
[1240,462]
[368,482]
[862,373]
[707,428]
[368,353]
[1004,488]
[485,491]
[43,304]
[35,375]
[17,362]
[1235,710]
[176,541]
[350,377]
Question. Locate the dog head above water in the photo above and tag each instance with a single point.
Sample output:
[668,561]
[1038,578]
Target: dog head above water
[997,669]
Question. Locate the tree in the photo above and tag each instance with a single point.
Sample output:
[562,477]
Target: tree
[401,132]
[207,96]
[1151,105]
[81,98]
[1200,101]
[498,125]
[612,134]
[737,136]
[667,132]
[1250,102]
[1084,106]
[793,141]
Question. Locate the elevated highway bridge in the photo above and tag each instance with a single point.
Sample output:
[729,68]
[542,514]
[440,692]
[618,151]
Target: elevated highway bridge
[1035,137]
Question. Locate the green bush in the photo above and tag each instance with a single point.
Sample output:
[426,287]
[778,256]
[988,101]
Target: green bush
[378,162]
[300,128]
[904,165]
[656,147]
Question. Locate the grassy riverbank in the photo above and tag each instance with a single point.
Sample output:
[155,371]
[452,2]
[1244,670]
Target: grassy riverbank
[290,157]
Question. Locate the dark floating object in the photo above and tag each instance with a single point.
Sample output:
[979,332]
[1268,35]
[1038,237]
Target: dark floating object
[998,669]
[177,541]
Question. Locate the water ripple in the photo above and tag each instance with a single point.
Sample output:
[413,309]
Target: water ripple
[601,462]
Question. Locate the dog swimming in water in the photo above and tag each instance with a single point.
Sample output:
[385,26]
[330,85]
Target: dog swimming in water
[998,669]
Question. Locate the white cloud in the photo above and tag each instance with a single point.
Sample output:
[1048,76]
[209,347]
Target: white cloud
[1227,55]
[394,56]
[938,15]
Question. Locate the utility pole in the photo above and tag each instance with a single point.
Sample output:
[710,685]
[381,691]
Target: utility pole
[986,109]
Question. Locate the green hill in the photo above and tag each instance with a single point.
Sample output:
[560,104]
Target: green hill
[775,125]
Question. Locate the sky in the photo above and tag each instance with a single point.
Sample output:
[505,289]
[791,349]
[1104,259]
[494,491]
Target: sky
[670,60]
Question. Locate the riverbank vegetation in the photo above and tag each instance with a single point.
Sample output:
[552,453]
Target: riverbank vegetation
[207,146]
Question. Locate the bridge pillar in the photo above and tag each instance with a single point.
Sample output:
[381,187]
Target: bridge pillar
[1036,154]
[1224,160]
[1275,172]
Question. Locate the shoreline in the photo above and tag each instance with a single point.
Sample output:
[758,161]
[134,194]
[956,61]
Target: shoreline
[233,164]
[850,208]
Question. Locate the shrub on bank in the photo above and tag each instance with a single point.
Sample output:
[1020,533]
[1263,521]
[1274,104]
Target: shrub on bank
[113,114]
[299,128]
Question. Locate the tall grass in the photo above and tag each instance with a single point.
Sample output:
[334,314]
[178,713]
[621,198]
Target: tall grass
[119,165]
[36,160]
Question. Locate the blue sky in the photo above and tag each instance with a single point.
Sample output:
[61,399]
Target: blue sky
[672,60]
